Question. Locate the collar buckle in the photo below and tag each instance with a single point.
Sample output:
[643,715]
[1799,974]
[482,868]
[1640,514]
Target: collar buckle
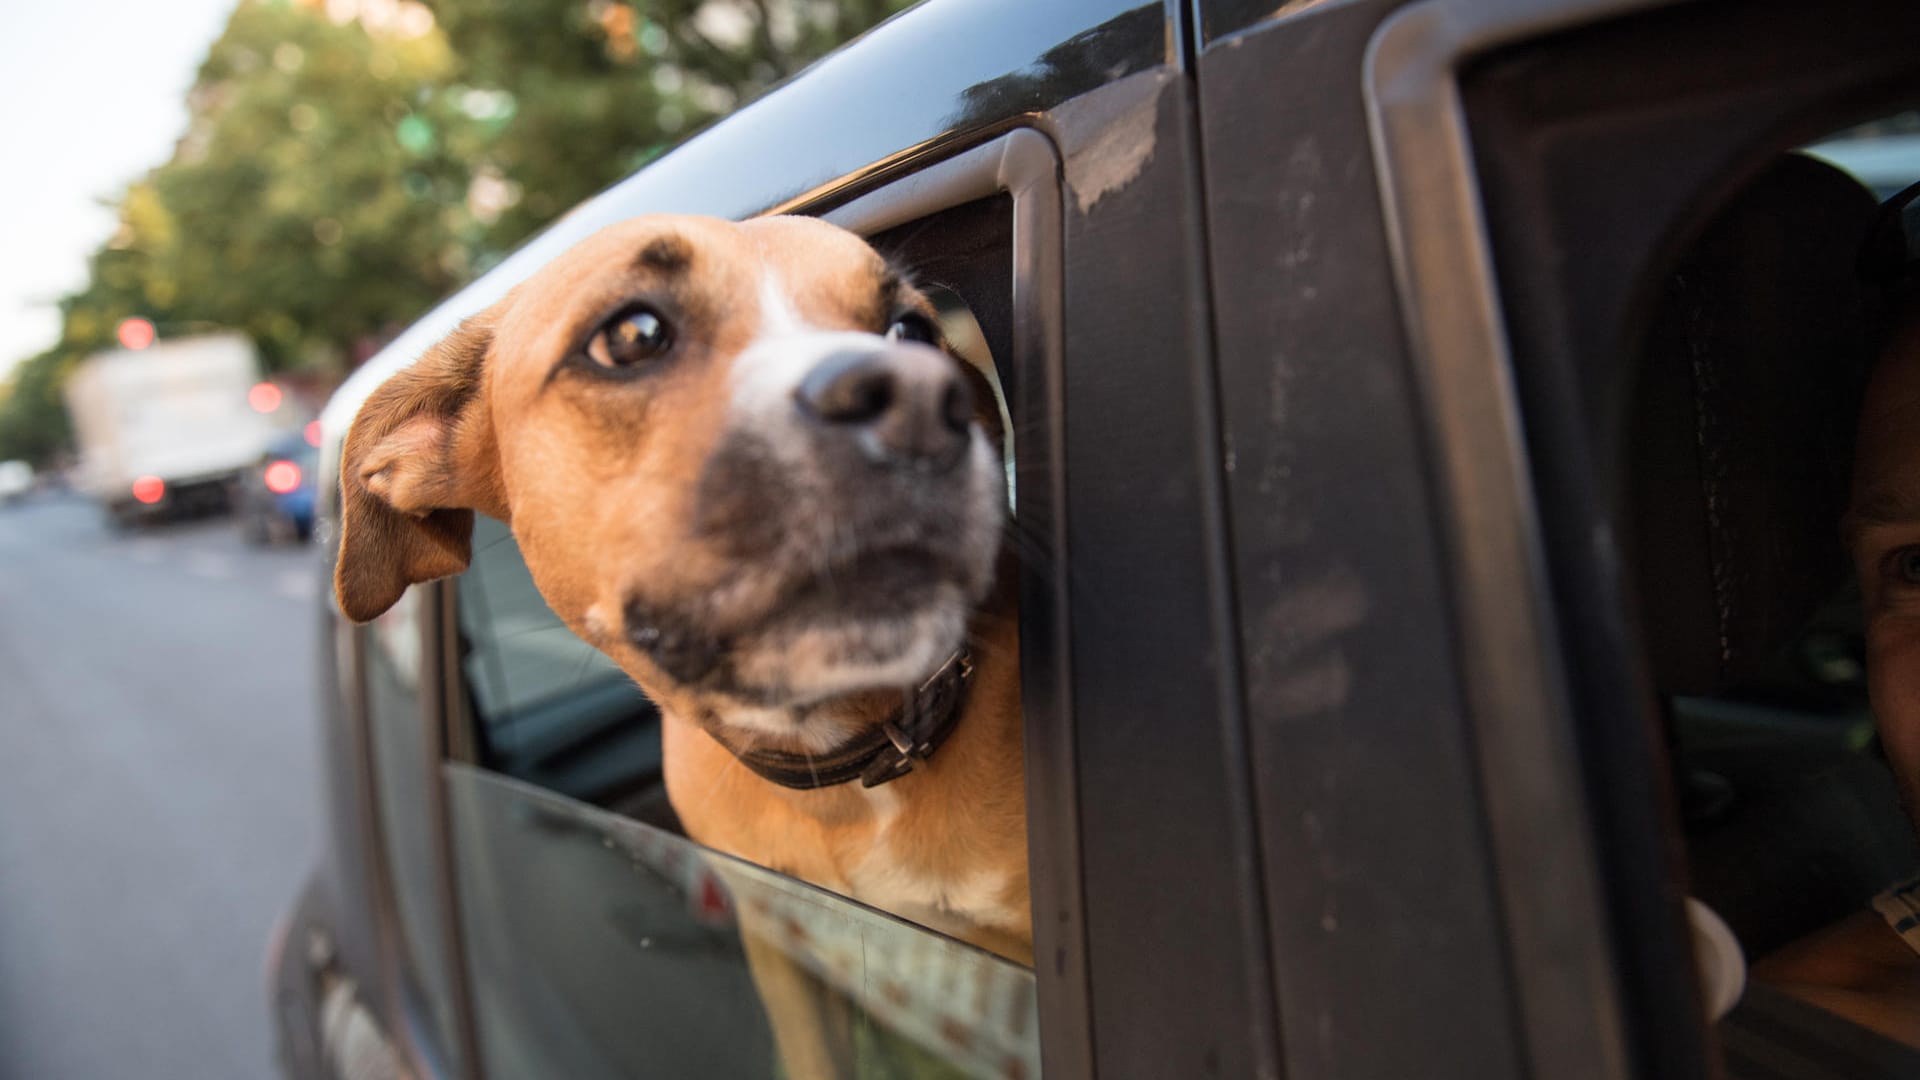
[929,709]
[906,739]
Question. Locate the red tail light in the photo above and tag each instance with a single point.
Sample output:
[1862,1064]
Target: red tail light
[149,489]
[282,477]
[264,397]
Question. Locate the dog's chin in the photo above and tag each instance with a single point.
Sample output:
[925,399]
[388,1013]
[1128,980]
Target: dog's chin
[816,645]
[804,662]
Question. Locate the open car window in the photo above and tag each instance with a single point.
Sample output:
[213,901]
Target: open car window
[600,940]
[1692,334]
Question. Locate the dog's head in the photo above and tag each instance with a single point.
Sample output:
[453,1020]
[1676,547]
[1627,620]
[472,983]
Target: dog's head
[736,458]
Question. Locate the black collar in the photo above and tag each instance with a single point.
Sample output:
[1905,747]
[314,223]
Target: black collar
[888,752]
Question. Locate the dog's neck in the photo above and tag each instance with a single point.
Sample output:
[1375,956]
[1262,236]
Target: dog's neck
[874,753]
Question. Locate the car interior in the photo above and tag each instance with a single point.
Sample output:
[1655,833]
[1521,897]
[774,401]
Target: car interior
[1680,260]
[1739,455]
[1755,362]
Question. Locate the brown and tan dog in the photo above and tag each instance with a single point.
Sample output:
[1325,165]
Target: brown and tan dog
[738,462]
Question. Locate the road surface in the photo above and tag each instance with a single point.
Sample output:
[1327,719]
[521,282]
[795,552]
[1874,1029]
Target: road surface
[157,791]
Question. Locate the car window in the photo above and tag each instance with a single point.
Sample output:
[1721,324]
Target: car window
[1883,154]
[600,940]
[542,705]
[1698,385]
[404,746]
[518,651]
[1791,814]
[605,947]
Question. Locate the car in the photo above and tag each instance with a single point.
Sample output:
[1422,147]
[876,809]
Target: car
[1429,421]
[274,500]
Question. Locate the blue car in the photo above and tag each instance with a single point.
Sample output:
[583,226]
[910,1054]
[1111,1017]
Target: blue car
[273,501]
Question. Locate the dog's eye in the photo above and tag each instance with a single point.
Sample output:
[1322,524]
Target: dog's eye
[634,336]
[912,326]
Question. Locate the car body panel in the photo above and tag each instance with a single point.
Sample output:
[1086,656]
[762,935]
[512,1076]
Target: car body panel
[1353,734]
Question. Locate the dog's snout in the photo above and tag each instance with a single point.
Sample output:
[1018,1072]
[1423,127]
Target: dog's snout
[905,405]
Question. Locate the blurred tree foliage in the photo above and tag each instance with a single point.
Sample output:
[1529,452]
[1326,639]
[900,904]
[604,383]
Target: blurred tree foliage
[348,162]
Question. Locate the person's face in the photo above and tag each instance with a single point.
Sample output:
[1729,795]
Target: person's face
[1883,532]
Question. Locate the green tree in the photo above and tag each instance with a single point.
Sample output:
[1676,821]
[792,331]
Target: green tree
[347,165]
[33,423]
[584,92]
[315,201]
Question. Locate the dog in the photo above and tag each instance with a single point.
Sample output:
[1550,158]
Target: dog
[739,461]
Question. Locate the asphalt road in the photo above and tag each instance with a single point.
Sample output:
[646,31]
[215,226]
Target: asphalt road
[158,795]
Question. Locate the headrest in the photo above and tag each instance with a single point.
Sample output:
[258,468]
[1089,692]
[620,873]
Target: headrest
[1743,422]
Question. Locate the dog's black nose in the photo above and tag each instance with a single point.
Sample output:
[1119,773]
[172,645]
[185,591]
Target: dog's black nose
[905,404]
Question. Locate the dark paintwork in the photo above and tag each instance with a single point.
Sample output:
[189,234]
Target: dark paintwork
[1141,447]
[1357,726]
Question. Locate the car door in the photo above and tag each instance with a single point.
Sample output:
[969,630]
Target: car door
[1382,900]
[1446,240]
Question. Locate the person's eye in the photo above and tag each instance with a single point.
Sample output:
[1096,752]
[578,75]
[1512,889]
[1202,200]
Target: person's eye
[635,335]
[1906,564]
[1900,567]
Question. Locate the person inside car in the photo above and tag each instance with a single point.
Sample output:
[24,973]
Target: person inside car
[1866,967]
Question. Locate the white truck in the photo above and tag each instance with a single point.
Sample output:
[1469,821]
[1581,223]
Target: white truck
[167,427]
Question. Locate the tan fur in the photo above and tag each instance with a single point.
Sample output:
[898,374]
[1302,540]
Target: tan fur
[596,481]
[959,817]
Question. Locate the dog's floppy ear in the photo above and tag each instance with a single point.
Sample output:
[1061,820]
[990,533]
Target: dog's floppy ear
[418,461]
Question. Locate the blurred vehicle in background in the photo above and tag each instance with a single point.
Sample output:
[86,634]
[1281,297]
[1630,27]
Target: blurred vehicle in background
[167,428]
[273,500]
[16,481]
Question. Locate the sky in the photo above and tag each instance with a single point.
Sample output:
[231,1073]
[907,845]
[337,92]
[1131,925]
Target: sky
[92,95]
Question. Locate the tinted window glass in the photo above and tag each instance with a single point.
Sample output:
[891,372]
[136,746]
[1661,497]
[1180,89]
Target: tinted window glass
[603,947]
[402,745]
[545,706]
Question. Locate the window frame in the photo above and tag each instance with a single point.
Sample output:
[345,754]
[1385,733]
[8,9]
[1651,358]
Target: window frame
[418,1038]
[1023,165]
[1552,655]
[1558,934]
[1387,930]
